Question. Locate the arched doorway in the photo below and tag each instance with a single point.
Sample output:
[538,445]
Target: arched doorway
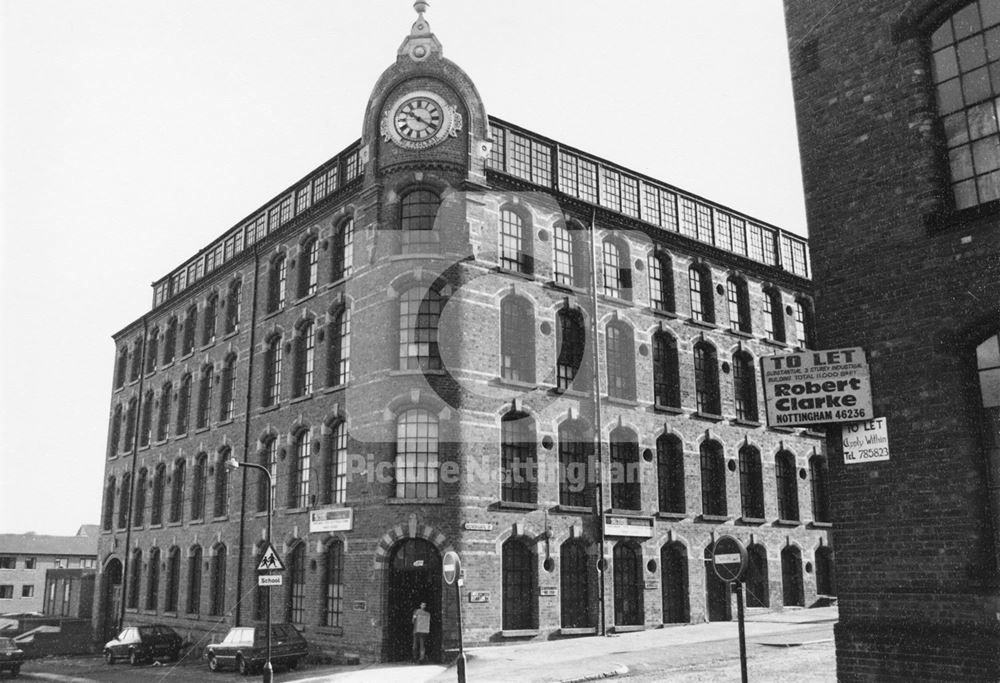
[674,583]
[628,584]
[791,577]
[414,577]
[758,590]
[111,597]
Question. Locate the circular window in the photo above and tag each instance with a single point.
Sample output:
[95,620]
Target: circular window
[651,566]
[549,564]
[809,567]
[547,442]
[725,367]
[543,235]
[802,473]
[639,265]
[731,465]
[720,289]
[643,350]
[546,328]
[647,455]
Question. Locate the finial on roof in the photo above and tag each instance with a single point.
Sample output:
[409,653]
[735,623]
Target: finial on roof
[420,6]
[421,43]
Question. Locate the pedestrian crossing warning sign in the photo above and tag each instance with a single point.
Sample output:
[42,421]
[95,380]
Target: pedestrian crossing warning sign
[270,560]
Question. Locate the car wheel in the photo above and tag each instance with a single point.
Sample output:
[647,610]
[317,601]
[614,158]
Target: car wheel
[213,663]
[108,657]
[15,671]
[133,658]
[242,666]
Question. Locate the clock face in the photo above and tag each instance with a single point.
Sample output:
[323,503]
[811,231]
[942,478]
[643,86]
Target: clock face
[419,118]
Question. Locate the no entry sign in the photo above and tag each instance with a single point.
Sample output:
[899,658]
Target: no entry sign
[729,558]
[451,567]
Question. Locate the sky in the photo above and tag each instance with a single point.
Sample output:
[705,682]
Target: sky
[134,133]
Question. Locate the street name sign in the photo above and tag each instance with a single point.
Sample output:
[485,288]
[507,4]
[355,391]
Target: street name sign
[816,387]
[729,558]
[865,441]
[270,560]
[269,580]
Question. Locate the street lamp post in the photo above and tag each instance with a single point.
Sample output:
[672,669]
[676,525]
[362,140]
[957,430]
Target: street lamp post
[233,464]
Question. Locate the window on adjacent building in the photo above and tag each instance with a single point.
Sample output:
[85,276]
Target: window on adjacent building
[28,591]
[617,271]
[343,250]
[220,507]
[706,379]
[170,341]
[620,360]
[205,386]
[146,427]
[518,482]
[295,601]
[177,492]
[308,268]
[184,404]
[7,592]
[739,304]
[518,584]
[571,361]
[626,493]
[517,339]
[515,243]
[272,372]
[276,283]
[661,282]
[190,322]
[744,387]
[217,595]
[334,487]
[338,350]
[305,359]
[8,562]
[153,579]
[666,372]
[299,470]
[416,473]
[751,483]
[194,581]
[333,585]
[419,313]
[199,482]
[139,504]
[152,349]
[29,563]
[670,474]
[787,486]
[418,212]
[818,475]
[209,319]
[713,479]
[702,295]
[159,482]
[227,402]
[233,307]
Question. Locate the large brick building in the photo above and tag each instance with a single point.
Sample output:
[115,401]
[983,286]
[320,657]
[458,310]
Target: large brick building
[404,338]
[896,105]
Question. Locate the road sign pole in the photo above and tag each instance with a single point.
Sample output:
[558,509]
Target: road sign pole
[461,648]
[738,587]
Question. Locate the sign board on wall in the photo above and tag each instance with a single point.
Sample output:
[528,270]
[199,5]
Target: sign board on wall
[816,387]
[479,596]
[331,519]
[616,525]
[866,441]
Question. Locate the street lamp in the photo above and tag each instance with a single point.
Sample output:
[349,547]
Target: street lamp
[233,464]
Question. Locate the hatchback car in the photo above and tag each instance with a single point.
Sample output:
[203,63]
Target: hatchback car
[245,648]
[141,643]
[11,656]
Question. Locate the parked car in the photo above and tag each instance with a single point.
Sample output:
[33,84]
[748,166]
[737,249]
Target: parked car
[11,657]
[245,648]
[141,643]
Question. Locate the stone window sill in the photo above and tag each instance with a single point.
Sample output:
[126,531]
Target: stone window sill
[821,525]
[515,273]
[711,417]
[740,333]
[570,393]
[615,300]
[330,630]
[701,323]
[714,519]
[787,522]
[674,410]
[631,403]
[416,372]
[520,633]
[751,521]
[414,501]
[573,509]
[671,515]
[745,423]
[662,312]
[582,631]
[514,505]
[629,628]
[514,384]
[775,343]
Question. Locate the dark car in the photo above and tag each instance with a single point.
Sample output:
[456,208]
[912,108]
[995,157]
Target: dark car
[11,657]
[245,648]
[141,643]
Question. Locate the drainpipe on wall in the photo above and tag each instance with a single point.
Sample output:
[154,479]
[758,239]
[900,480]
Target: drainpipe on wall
[598,425]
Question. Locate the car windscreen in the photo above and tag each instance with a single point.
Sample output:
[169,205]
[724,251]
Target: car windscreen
[239,635]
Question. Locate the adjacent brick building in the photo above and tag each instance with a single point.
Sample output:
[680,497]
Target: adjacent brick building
[897,114]
[25,560]
[403,337]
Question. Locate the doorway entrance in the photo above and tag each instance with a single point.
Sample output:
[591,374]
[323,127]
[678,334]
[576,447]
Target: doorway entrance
[414,577]
[111,598]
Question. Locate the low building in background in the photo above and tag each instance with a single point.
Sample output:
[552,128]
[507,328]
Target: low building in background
[26,558]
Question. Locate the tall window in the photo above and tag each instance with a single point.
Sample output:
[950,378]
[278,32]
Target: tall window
[739,304]
[177,492]
[670,474]
[198,484]
[517,446]
[628,584]
[184,404]
[146,428]
[706,379]
[713,479]
[333,584]
[418,212]
[124,500]
[791,577]
[295,605]
[751,483]
[571,343]
[343,250]
[272,372]
[135,575]
[965,60]
[115,433]
[152,349]
[702,296]
[564,263]
[818,475]
[305,360]
[194,581]
[517,339]
[661,282]
[205,397]
[825,578]
[617,273]
[744,387]
[190,321]
[139,504]
[268,459]
[515,243]
[233,307]
[334,489]
[109,505]
[419,312]
[299,471]
[625,485]
[774,316]
[209,319]
[787,484]
[575,450]
[519,593]
[159,482]
[121,368]
[757,589]
[220,493]
[574,585]
[674,582]
[163,424]
[136,368]
[666,373]
[217,595]
[130,415]
[170,341]
[277,275]
[621,361]
[308,276]
[173,579]
[417,454]
[338,350]
[227,404]
[804,326]
[153,579]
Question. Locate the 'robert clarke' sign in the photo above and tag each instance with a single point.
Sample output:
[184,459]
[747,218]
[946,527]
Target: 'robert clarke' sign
[814,387]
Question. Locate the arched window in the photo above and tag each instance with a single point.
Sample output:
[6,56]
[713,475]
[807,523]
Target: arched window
[964,57]
[617,271]
[787,486]
[519,592]
[818,473]
[220,507]
[233,306]
[305,360]
[205,386]
[626,490]
[334,488]
[739,304]
[758,589]
[804,324]
[152,349]
[417,454]
[136,368]
[666,372]
[774,316]
[209,319]
[109,505]
[575,577]
[199,483]
[670,474]
[177,492]
[308,268]
[517,339]
[343,251]
[124,500]
[674,582]
[146,428]
[745,387]
[173,579]
[518,458]
[153,579]
[121,367]
[515,243]
[190,321]
[338,349]
[295,597]
[791,577]
[621,360]
[217,595]
[135,576]
[628,584]
[299,470]
[268,459]
[706,379]
[333,585]
[713,480]
[163,424]
[115,433]
[159,483]
[571,361]
[227,402]
[419,312]
[751,484]
[139,504]
[184,404]
[194,581]
[702,295]
[661,282]
[826,583]
[277,276]
[272,372]
[575,451]
[130,415]
[170,341]
[419,210]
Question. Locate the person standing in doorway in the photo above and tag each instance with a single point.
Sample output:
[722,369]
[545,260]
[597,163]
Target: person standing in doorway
[421,627]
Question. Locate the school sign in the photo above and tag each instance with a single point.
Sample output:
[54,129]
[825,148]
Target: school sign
[815,387]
